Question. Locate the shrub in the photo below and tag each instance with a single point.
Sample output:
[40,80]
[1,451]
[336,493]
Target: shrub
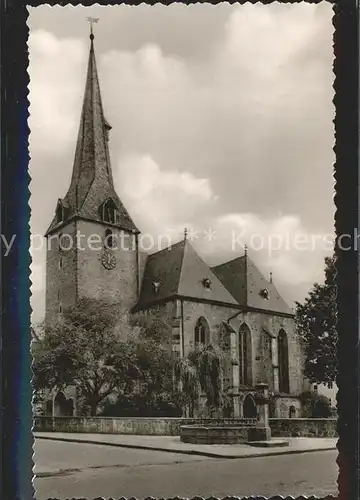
[315,405]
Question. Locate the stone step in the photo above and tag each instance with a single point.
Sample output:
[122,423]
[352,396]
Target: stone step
[272,443]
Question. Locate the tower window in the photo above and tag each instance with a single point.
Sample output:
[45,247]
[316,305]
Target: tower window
[60,262]
[109,212]
[59,213]
[60,241]
[109,238]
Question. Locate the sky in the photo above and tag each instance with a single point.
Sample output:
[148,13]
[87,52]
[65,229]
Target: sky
[222,123]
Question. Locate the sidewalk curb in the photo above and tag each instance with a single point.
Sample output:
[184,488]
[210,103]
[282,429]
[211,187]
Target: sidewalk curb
[284,451]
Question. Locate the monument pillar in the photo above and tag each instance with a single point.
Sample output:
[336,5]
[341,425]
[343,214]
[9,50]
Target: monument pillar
[262,431]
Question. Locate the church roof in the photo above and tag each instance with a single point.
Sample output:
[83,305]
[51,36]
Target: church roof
[179,271]
[92,181]
[247,285]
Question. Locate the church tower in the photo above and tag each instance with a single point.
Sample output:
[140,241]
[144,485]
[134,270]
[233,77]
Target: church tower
[92,242]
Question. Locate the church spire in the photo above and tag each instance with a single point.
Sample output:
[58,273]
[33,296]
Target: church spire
[91,154]
[92,183]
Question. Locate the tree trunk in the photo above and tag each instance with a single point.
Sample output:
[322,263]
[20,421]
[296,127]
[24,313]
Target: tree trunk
[93,408]
[191,409]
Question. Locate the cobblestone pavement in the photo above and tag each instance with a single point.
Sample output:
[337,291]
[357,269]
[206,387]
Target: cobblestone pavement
[99,470]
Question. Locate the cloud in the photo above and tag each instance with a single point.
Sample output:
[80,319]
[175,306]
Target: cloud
[161,200]
[281,245]
[55,88]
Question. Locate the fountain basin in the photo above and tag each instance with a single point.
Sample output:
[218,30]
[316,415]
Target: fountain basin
[214,434]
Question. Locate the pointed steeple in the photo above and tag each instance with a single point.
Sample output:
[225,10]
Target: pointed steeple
[91,193]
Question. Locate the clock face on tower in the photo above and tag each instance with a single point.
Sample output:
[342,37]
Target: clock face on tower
[108,260]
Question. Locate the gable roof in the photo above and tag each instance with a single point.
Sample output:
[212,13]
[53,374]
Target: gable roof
[180,272]
[245,282]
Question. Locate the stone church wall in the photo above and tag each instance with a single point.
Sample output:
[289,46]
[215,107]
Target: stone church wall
[263,345]
[264,352]
[117,285]
[214,314]
[282,406]
[168,313]
[60,272]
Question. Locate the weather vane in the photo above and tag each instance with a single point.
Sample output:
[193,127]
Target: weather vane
[91,21]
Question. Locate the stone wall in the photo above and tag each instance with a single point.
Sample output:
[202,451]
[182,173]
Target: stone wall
[282,406]
[108,425]
[218,434]
[214,314]
[264,330]
[169,315]
[298,427]
[60,272]
[117,285]
[76,271]
[303,427]
[263,327]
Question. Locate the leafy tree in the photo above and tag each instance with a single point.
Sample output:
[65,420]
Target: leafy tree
[316,327]
[137,372]
[202,373]
[155,329]
[84,350]
[186,374]
[154,392]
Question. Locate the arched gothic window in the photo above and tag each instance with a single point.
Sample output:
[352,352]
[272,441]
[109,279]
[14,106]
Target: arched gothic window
[245,368]
[202,332]
[283,358]
[109,238]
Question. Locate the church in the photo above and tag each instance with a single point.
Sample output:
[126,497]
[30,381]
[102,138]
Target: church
[232,304]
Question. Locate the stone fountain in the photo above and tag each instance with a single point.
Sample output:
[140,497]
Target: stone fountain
[260,434]
[242,431]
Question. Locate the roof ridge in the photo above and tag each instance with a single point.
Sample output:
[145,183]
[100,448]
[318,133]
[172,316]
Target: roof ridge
[228,261]
[212,276]
[185,243]
[168,249]
[207,265]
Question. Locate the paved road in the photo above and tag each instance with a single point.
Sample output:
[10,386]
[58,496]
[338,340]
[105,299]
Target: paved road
[97,470]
